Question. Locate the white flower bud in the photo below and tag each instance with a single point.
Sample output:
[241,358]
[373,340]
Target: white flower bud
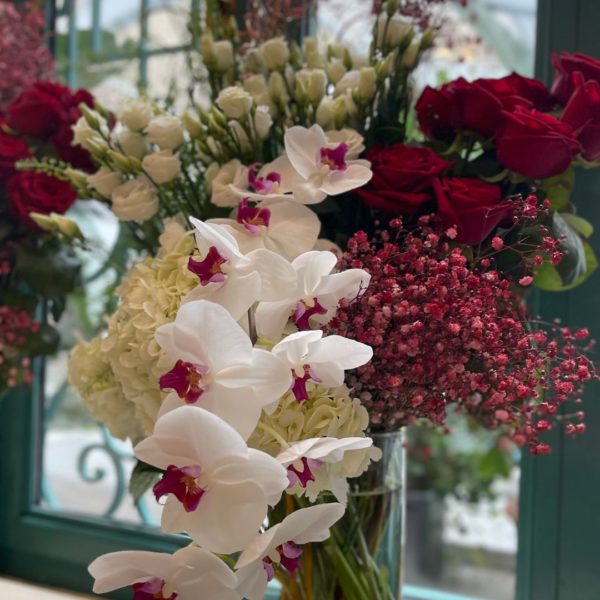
[192,125]
[207,50]
[240,135]
[132,143]
[211,172]
[349,81]
[256,86]
[336,70]
[409,58]
[223,50]
[84,135]
[166,131]
[310,44]
[136,114]
[275,53]
[253,62]
[262,122]
[326,112]
[231,173]
[395,31]
[136,200]
[104,181]
[314,60]
[162,167]
[317,86]
[277,87]
[366,84]
[235,102]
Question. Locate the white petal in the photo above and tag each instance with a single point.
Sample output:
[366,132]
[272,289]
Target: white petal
[206,332]
[284,168]
[272,317]
[276,274]
[338,182]
[326,449]
[171,402]
[312,268]
[347,284]
[294,349]
[121,569]
[252,581]
[305,192]
[303,148]
[310,524]
[334,354]
[190,436]
[214,235]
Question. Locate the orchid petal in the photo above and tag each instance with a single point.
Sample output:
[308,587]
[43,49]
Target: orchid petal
[326,449]
[252,581]
[272,317]
[208,235]
[334,354]
[354,176]
[312,267]
[302,147]
[295,348]
[276,273]
[306,193]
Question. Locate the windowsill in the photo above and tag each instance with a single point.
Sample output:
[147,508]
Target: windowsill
[21,590]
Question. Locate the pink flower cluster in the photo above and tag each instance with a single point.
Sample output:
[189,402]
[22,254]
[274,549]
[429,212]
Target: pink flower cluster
[16,327]
[24,57]
[450,330]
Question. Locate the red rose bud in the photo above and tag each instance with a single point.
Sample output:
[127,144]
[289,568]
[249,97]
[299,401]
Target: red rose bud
[37,192]
[472,205]
[402,178]
[583,115]
[565,65]
[535,144]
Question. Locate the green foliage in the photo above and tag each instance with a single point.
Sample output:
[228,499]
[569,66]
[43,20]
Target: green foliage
[558,189]
[143,477]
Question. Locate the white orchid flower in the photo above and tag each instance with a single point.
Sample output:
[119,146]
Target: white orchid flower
[312,302]
[185,575]
[232,279]
[286,228]
[278,547]
[310,356]
[318,464]
[325,170]
[218,490]
[217,368]
[231,175]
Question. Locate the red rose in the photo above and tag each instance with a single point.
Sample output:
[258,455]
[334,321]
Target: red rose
[583,115]
[12,149]
[435,112]
[565,65]
[535,144]
[36,111]
[472,206]
[37,192]
[402,178]
[515,90]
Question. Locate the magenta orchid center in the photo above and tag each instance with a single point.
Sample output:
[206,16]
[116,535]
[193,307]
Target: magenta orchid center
[301,472]
[286,556]
[152,589]
[182,482]
[185,378]
[301,377]
[268,184]
[335,158]
[304,311]
[252,217]
[209,270]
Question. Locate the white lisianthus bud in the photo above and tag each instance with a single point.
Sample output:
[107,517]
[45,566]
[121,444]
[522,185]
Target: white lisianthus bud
[136,114]
[409,58]
[166,131]
[55,223]
[366,84]
[132,143]
[348,82]
[84,135]
[275,53]
[104,181]
[213,146]
[317,86]
[277,87]
[207,50]
[350,109]
[310,44]
[211,172]
[235,102]
[256,86]
[386,66]
[336,70]
[314,60]
[240,135]
[192,125]
[231,173]
[394,32]
[262,122]
[253,62]
[326,112]
[223,50]
[162,167]
[136,200]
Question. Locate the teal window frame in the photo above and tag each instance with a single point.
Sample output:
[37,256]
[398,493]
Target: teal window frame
[559,533]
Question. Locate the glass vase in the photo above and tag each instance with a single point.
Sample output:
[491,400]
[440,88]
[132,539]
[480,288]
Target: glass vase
[362,560]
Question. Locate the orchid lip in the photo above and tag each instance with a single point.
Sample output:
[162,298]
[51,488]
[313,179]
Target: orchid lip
[303,313]
[253,218]
[299,384]
[304,475]
[151,589]
[335,158]
[182,482]
[185,378]
[287,556]
[268,184]
[209,270]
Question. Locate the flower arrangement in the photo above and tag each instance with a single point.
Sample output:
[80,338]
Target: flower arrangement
[250,355]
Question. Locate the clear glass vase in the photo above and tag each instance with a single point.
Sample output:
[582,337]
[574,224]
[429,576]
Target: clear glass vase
[362,560]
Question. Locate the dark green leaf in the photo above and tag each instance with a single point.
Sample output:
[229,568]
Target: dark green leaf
[143,477]
[579,224]
[558,188]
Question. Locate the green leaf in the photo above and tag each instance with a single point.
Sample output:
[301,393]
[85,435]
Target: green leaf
[579,224]
[143,477]
[493,464]
[548,278]
[574,263]
[558,188]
